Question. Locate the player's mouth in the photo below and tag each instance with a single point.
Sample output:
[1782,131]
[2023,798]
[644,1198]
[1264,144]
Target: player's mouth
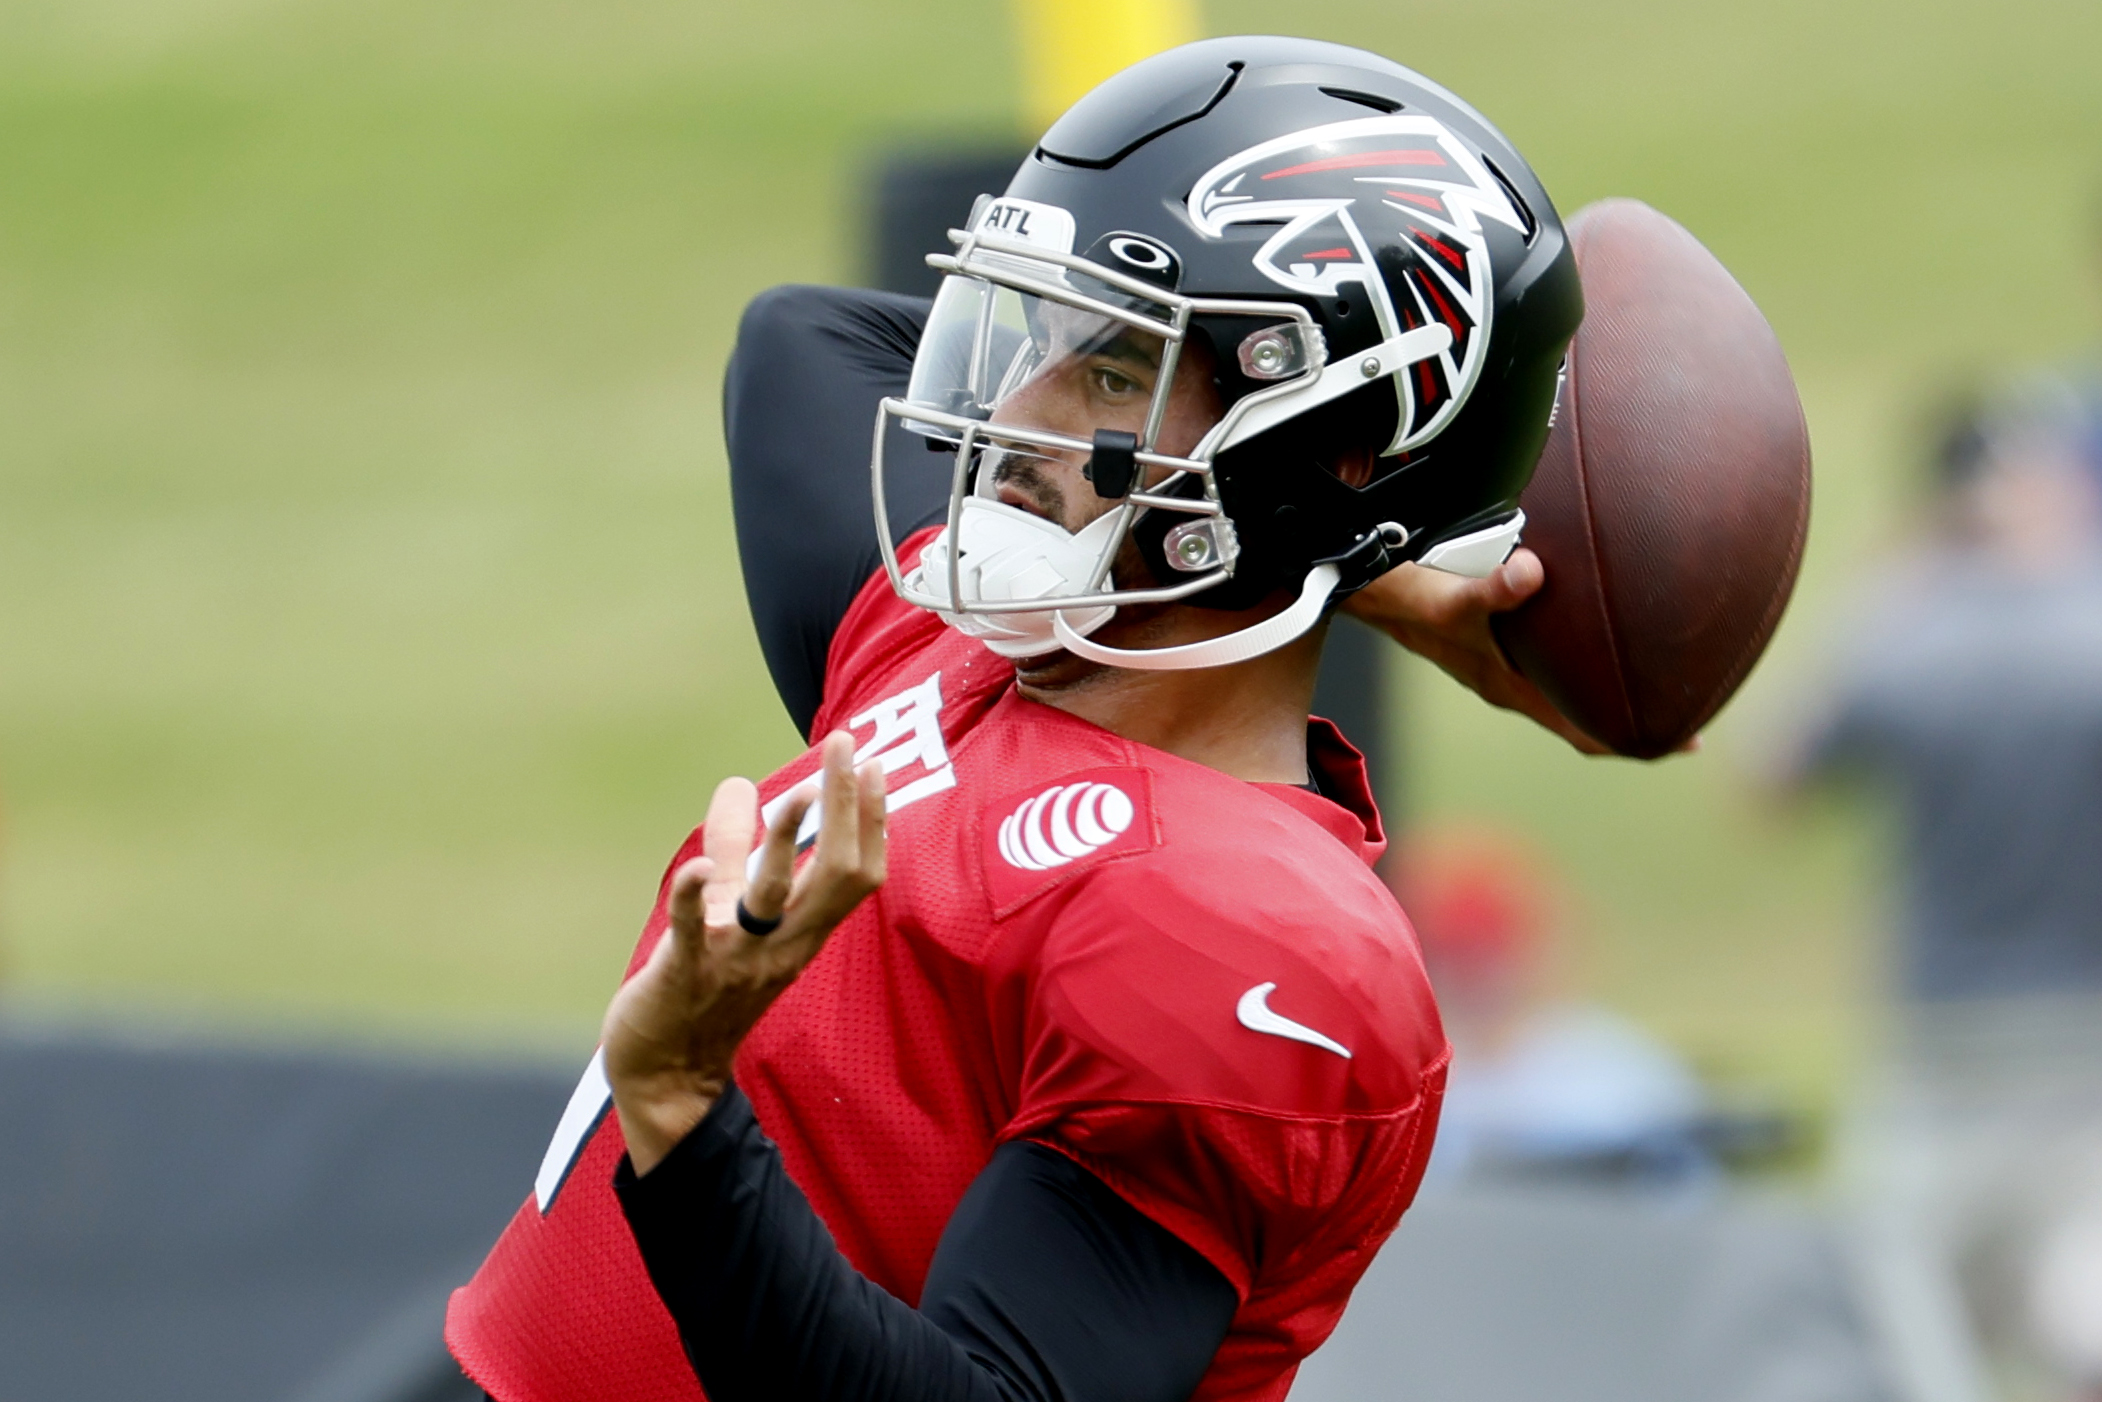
[1014,496]
[1023,484]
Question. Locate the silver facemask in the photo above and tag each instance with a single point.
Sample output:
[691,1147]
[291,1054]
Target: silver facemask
[1033,355]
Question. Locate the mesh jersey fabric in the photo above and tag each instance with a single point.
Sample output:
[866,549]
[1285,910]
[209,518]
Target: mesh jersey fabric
[1000,988]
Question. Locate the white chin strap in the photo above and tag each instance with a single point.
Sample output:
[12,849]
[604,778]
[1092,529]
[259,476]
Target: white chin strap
[1269,635]
[1014,556]
[1476,555]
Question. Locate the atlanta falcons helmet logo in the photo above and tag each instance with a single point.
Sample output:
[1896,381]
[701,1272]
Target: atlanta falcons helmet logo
[1409,179]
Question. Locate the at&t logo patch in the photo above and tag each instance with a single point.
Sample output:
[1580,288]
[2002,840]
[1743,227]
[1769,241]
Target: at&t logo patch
[1035,839]
[1063,822]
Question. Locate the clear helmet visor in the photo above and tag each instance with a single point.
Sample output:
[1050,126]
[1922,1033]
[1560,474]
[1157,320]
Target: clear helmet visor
[1005,358]
[1016,386]
[1070,408]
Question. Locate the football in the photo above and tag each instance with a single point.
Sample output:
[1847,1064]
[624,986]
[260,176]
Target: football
[1671,502]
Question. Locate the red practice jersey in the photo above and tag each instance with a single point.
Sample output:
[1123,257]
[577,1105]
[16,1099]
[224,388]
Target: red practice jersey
[1193,986]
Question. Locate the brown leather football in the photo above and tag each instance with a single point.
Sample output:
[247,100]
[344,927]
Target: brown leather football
[1672,499]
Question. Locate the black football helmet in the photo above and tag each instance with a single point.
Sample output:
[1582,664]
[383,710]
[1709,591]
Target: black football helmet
[1375,274]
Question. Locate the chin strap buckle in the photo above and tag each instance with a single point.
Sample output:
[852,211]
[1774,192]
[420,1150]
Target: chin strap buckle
[1372,555]
[1115,464]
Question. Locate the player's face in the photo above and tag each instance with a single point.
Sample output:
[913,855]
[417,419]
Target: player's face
[1090,372]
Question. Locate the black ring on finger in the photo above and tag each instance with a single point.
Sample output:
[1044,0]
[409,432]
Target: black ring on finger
[757,924]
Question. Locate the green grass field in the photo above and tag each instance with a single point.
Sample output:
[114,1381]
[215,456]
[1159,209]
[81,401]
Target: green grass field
[369,626]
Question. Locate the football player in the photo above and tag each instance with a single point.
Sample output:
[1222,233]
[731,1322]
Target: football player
[1123,1073]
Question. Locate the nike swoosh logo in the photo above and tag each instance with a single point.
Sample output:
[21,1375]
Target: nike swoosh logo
[1255,1015]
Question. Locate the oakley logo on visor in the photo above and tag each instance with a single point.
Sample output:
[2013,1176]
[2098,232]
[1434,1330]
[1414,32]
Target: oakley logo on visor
[1138,256]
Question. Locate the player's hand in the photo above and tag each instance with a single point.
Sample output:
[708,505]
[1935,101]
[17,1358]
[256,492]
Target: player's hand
[1445,617]
[674,1029]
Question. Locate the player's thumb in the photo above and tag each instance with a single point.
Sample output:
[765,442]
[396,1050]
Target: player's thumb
[1515,580]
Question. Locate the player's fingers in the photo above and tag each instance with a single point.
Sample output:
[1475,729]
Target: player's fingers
[838,843]
[733,820]
[726,838]
[767,895]
[848,862]
[686,885]
[687,903]
[874,818]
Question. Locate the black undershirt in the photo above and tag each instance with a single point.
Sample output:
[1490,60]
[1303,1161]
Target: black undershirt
[799,414]
[1046,1284]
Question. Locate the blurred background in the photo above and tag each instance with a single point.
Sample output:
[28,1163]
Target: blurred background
[370,625]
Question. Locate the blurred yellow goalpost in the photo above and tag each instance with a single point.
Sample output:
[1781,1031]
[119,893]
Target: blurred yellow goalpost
[1068,46]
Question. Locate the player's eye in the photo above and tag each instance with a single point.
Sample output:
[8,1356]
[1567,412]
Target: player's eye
[1112,383]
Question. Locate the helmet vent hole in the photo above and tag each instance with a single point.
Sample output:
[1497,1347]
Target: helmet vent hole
[1365,99]
[1525,211]
[1357,468]
[1363,468]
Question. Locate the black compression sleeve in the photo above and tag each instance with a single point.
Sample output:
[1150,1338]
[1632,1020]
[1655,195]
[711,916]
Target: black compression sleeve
[1046,1285]
[799,411]
[1047,1276]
